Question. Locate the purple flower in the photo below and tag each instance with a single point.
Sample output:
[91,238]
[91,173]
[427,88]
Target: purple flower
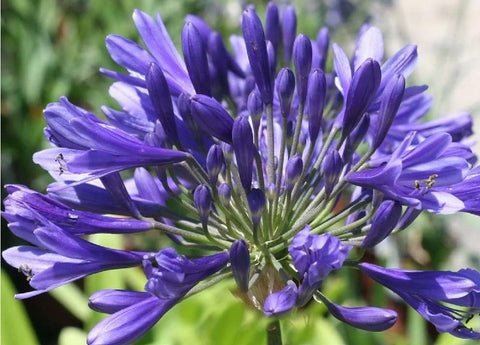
[315,256]
[170,276]
[436,295]
[413,174]
[65,258]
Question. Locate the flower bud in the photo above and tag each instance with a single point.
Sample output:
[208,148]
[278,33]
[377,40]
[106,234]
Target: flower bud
[361,93]
[240,263]
[257,53]
[289,30]
[272,60]
[390,102]
[162,103]
[302,60]
[256,203]
[383,223]
[285,87]
[195,57]
[215,162]
[315,102]
[218,55]
[272,25]
[224,193]
[203,201]
[243,146]
[211,117]
[323,40]
[293,170]
[367,318]
[332,167]
[255,107]
[270,190]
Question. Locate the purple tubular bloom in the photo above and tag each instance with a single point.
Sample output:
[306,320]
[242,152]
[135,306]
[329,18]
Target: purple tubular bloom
[285,87]
[314,257]
[215,162]
[289,29]
[196,59]
[160,96]
[203,202]
[65,259]
[281,301]
[370,319]
[302,60]
[257,53]
[242,138]
[315,102]
[419,177]
[435,294]
[240,263]
[92,147]
[391,99]
[361,92]
[26,209]
[385,220]
[131,323]
[171,275]
[272,25]
[211,117]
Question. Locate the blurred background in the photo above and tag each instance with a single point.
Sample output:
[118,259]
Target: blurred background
[52,48]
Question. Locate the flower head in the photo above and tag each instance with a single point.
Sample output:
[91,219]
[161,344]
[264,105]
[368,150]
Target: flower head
[274,174]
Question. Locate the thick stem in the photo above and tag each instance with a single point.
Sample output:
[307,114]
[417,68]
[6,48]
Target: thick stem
[274,334]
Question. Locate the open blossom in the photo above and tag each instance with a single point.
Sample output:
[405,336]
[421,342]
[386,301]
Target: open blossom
[244,159]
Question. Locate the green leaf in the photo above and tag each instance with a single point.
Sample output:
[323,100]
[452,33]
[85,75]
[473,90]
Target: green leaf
[16,327]
[416,328]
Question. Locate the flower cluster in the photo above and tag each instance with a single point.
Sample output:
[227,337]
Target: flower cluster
[276,173]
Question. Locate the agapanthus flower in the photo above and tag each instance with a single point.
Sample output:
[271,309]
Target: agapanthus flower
[275,174]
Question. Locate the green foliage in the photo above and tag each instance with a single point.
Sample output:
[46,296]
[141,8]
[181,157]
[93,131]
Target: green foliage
[16,327]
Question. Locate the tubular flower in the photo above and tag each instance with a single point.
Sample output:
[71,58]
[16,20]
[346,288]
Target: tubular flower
[275,174]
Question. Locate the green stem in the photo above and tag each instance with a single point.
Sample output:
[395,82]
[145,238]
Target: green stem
[274,333]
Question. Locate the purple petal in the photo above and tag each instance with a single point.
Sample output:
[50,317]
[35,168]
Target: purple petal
[111,301]
[367,318]
[281,301]
[383,223]
[128,54]
[369,45]
[129,324]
